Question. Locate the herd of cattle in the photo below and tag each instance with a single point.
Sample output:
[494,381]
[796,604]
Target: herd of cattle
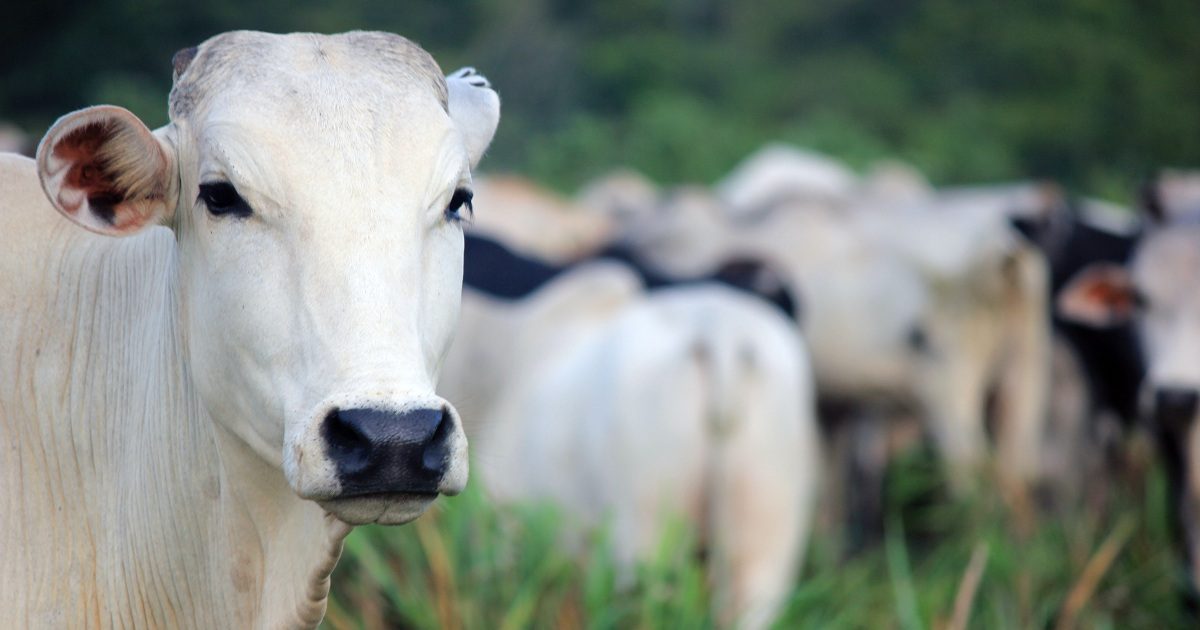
[739,353]
[192,417]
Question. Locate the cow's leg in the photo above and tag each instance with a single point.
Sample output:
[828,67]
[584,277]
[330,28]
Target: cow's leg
[1179,444]
[954,410]
[1024,375]
[869,458]
[763,480]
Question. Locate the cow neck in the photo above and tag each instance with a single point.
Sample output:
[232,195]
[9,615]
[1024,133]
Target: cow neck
[206,531]
[286,547]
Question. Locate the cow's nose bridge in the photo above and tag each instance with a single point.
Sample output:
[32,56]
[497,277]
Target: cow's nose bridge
[371,305]
[359,252]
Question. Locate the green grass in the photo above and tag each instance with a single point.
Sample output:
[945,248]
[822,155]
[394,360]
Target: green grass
[469,565]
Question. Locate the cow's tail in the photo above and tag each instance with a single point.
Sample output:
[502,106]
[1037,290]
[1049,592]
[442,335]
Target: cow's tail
[762,465]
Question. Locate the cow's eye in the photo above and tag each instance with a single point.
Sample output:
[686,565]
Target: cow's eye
[222,199]
[459,200]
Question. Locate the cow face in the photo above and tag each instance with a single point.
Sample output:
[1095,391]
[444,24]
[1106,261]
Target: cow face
[316,187]
[1160,291]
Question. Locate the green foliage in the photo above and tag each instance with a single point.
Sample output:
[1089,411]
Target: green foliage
[469,565]
[1095,92]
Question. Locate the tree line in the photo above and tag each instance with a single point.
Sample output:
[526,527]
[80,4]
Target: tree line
[1095,93]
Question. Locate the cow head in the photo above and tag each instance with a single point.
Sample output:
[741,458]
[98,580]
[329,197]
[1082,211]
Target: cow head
[315,186]
[1159,291]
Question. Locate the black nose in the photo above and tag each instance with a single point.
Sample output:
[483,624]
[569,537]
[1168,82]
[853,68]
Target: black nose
[378,451]
[1174,407]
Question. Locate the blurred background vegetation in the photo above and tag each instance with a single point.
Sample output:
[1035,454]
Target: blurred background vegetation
[467,564]
[1095,93]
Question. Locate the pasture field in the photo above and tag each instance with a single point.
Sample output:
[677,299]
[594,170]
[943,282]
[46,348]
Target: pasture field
[468,565]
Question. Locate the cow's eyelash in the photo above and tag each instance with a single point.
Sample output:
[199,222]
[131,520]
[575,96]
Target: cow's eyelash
[460,199]
[222,199]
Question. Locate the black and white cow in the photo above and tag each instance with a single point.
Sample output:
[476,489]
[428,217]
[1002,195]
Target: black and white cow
[1157,293]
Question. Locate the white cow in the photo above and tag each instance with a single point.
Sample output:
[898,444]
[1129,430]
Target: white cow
[927,305]
[632,409]
[985,328]
[193,416]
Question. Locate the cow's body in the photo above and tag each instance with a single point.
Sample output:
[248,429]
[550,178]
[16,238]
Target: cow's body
[171,401]
[633,409]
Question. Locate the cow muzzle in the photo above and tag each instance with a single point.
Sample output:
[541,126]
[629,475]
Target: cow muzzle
[383,452]
[375,463]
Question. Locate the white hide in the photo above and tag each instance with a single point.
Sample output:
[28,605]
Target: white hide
[891,183]
[631,410]
[620,195]
[874,280]
[1163,272]
[1177,194]
[780,173]
[160,393]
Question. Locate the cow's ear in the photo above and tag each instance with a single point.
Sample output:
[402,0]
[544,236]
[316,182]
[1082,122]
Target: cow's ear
[1100,296]
[104,169]
[475,108]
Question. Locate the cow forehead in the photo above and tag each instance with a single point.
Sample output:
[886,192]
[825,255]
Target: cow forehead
[381,65]
[278,110]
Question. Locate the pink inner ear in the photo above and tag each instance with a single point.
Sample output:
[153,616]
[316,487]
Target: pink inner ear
[1117,297]
[88,177]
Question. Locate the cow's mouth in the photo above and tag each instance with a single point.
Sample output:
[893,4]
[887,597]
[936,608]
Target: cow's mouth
[384,508]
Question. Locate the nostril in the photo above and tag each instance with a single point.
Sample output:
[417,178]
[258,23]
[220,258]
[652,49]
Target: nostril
[436,457]
[346,442]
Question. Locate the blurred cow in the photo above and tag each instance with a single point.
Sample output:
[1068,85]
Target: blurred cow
[551,234]
[1159,290]
[933,306]
[537,222]
[633,408]
[780,173]
[1098,371]
[502,272]
[620,195]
